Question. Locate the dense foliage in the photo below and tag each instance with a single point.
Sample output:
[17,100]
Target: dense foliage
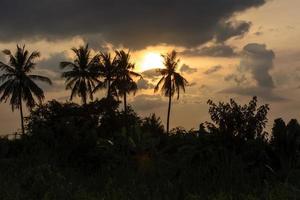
[95,151]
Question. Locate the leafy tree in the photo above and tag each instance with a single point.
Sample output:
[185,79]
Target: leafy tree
[153,125]
[285,141]
[107,70]
[171,82]
[83,73]
[124,82]
[246,122]
[70,131]
[18,82]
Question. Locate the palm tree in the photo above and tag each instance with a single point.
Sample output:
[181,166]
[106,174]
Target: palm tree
[107,70]
[124,81]
[83,73]
[18,82]
[171,81]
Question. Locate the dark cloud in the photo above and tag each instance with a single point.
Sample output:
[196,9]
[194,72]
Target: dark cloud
[289,27]
[96,42]
[57,86]
[2,57]
[204,88]
[265,93]
[238,78]
[230,29]
[151,74]
[216,50]
[258,33]
[144,84]
[52,62]
[147,102]
[257,59]
[50,67]
[187,69]
[134,23]
[213,69]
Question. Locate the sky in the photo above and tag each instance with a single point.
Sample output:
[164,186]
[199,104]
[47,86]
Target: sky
[228,49]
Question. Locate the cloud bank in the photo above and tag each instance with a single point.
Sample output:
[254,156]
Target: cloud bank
[133,23]
[257,60]
[187,69]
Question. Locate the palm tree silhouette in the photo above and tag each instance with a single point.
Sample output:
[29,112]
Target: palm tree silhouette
[124,81]
[107,70]
[171,80]
[19,82]
[83,73]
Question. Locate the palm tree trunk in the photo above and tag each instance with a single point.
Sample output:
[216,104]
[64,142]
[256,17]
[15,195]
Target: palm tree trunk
[126,117]
[84,99]
[21,114]
[125,104]
[108,89]
[169,111]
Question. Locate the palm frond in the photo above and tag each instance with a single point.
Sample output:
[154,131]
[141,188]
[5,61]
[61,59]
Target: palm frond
[66,64]
[40,78]
[167,87]
[171,80]
[74,89]
[33,88]
[4,77]
[158,84]
[180,83]
[71,74]
[18,83]
[99,86]
[30,61]
[71,82]
[94,62]
[6,68]
[28,97]
[135,74]
[15,93]
[7,89]
[7,52]
[90,89]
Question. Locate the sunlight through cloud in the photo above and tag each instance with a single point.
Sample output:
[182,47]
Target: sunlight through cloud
[151,60]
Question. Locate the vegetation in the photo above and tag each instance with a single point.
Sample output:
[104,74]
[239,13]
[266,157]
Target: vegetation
[124,80]
[98,151]
[108,71]
[19,82]
[171,80]
[83,74]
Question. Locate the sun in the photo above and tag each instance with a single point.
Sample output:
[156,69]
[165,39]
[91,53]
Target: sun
[151,60]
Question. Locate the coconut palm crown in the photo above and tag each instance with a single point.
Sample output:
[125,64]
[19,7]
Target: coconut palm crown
[18,84]
[108,73]
[125,83]
[171,82]
[83,73]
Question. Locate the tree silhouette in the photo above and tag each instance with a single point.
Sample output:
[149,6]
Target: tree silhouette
[171,81]
[83,73]
[19,82]
[107,70]
[124,81]
[153,125]
[246,122]
[285,141]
